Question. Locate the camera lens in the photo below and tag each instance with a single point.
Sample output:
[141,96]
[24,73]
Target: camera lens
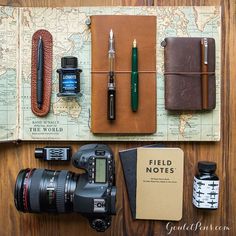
[40,190]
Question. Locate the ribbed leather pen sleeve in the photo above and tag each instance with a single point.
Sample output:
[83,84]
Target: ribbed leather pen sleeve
[47,72]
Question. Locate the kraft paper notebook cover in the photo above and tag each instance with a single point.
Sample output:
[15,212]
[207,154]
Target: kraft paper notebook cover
[182,61]
[159,192]
[126,29]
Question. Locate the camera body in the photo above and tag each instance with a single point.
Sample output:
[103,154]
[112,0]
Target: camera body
[95,194]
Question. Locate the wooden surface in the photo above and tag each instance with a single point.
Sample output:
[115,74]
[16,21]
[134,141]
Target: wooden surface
[15,157]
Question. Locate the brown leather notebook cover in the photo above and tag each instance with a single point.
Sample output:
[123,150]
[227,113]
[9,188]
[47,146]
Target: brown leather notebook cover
[126,29]
[47,73]
[182,58]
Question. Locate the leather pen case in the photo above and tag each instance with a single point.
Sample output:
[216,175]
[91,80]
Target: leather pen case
[186,67]
[47,43]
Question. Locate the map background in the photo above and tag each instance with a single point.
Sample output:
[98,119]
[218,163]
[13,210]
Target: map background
[69,120]
[8,73]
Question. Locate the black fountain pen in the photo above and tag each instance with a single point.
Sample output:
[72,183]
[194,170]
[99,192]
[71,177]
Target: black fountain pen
[111,94]
[40,73]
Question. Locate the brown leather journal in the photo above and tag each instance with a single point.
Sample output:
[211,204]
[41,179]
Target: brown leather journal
[126,29]
[184,74]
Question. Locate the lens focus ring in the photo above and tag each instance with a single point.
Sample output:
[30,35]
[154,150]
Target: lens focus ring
[35,190]
[60,193]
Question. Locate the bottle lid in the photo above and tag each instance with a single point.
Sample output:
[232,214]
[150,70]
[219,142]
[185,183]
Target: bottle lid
[39,153]
[69,62]
[206,166]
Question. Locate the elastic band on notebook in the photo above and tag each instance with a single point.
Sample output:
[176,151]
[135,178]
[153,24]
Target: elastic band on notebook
[189,73]
[123,71]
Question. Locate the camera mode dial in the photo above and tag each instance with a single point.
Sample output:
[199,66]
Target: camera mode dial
[100,225]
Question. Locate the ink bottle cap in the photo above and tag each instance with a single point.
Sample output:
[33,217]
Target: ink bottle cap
[206,166]
[39,153]
[69,62]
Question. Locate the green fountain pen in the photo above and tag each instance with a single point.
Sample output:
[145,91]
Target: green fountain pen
[134,78]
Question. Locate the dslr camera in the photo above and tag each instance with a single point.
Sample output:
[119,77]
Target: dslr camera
[93,193]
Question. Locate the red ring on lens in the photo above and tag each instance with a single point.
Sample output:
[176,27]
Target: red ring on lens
[26,189]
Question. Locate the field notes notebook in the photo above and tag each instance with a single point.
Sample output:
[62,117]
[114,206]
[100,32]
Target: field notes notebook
[159,192]
[125,29]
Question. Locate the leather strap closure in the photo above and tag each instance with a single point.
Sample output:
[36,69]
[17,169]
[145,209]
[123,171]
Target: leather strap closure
[189,73]
[122,71]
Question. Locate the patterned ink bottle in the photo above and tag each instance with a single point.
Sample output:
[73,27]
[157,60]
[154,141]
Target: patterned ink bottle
[206,186]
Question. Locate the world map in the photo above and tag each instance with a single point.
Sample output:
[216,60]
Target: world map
[69,119]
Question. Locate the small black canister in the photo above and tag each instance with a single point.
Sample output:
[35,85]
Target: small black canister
[206,186]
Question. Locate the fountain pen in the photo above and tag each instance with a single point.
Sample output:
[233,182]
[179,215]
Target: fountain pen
[204,79]
[134,78]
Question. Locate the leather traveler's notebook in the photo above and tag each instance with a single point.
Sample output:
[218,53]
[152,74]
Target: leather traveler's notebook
[183,74]
[125,29]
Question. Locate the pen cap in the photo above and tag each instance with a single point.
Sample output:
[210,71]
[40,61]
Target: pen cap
[69,62]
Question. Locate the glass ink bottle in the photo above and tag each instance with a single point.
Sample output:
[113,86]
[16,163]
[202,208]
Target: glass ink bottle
[69,77]
[206,186]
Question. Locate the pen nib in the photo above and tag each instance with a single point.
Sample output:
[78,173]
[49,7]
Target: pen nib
[111,34]
[134,43]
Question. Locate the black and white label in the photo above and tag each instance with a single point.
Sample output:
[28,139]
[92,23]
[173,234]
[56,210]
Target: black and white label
[56,154]
[206,193]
